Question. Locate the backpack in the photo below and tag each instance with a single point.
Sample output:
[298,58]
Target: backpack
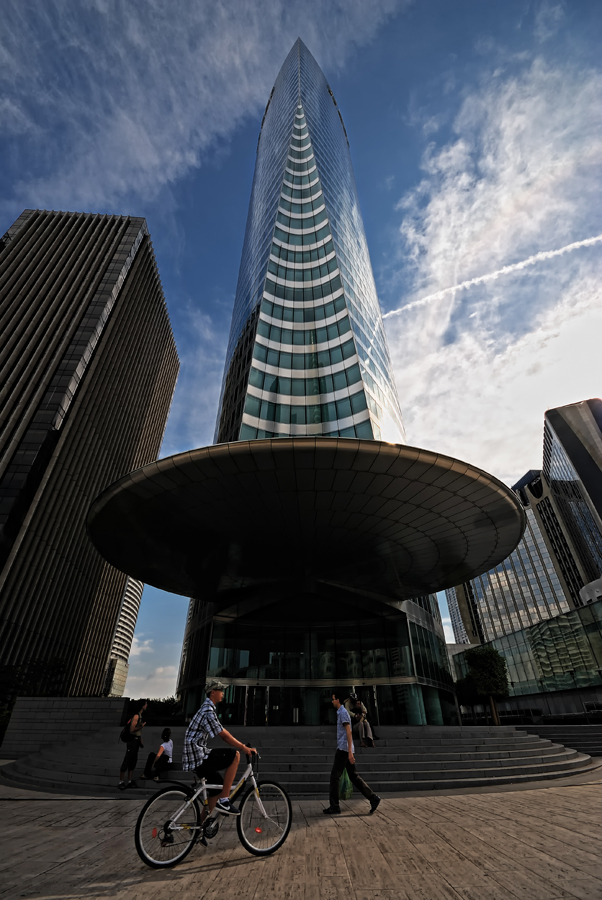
[125,732]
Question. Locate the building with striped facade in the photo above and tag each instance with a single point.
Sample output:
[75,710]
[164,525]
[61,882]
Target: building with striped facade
[307,353]
[308,356]
[118,665]
[88,367]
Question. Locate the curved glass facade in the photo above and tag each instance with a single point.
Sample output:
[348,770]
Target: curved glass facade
[281,667]
[307,352]
[307,355]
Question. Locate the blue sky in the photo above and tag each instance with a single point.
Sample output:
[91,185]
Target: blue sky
[476,136]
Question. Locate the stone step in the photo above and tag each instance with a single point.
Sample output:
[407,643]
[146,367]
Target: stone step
[319,787]
[306,771]
[374,763]
[585,738]
[114,749]
[90,763]
[114,757]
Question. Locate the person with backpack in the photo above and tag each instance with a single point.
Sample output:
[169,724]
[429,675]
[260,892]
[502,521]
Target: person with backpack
[158,762]
[132,735]
[359,720]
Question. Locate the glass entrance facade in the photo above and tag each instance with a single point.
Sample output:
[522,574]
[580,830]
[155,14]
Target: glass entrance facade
[281,669]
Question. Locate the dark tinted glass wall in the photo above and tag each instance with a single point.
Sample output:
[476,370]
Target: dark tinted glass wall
[88,366]
[569,492]
[562,653]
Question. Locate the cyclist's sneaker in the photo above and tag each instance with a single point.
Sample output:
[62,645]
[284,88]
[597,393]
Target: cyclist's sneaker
[132,784]
[224,806]
[332,811]
[375,800]
[121,786]
[156,778]
[143,777]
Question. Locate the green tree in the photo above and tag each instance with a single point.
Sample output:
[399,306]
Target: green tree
[488,676]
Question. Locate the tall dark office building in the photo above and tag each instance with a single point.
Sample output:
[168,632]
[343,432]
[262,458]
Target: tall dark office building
[88,367]
[572,470]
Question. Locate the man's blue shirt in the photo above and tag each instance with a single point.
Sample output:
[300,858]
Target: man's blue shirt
[342,717]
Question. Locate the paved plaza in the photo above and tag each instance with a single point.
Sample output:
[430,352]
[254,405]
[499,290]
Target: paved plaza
[538,844]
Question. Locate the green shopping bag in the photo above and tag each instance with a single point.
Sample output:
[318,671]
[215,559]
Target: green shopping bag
[345,786]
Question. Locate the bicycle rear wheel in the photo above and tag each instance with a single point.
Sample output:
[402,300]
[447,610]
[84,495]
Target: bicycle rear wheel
[159,845]
[262,833]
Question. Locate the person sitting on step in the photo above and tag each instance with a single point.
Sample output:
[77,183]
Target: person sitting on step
[359,720]
[158,762]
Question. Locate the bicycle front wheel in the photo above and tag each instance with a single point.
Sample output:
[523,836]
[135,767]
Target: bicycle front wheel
[264,823]
[160,841]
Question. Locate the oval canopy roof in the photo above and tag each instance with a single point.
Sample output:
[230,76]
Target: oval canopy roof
[384,518]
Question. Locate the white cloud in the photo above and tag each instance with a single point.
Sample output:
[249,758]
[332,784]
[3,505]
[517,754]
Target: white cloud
[476,369]
[159,682]
[127,98]
[193,413]
[493,276]
[448,631]
[139,647]
[548,19]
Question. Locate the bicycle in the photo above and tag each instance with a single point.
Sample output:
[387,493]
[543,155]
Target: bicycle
[169,824]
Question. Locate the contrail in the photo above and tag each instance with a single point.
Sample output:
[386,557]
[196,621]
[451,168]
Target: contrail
[491,276]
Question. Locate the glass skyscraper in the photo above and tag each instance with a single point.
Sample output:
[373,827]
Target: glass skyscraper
[307,353]
[572,468]
[308,356]
[561,550]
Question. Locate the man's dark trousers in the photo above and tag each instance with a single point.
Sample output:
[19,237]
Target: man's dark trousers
[341,762]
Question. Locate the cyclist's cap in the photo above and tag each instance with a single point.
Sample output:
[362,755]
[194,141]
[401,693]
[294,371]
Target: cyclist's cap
[215,686]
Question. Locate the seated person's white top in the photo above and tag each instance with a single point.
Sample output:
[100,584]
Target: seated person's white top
[168,749]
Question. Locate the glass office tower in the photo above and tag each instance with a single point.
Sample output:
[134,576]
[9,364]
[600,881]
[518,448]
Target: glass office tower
[522,590]
[572,468]
[307,353]
[308,356]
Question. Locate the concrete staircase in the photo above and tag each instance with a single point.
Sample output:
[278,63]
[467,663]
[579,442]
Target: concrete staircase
[584,738]
[405,759]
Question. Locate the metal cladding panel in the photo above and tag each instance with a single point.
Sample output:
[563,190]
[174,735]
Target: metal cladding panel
[268,512]
[90,366]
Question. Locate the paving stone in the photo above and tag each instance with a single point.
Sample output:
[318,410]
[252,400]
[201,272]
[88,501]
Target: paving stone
[489,846]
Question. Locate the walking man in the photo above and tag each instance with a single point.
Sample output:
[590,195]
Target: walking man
[208,764]
[344,759]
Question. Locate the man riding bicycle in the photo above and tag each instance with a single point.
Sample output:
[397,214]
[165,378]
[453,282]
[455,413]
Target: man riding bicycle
[206,763]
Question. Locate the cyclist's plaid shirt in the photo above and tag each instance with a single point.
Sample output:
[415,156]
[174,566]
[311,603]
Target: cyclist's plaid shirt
[205,725]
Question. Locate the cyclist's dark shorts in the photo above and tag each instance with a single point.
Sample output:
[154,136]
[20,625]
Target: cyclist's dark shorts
[210,769]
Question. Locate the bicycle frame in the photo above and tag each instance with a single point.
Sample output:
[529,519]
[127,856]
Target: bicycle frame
[201,791]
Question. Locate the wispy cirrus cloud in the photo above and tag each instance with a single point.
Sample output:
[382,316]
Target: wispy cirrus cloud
[194,408]
[103,101]
[477,368]
[542,256]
